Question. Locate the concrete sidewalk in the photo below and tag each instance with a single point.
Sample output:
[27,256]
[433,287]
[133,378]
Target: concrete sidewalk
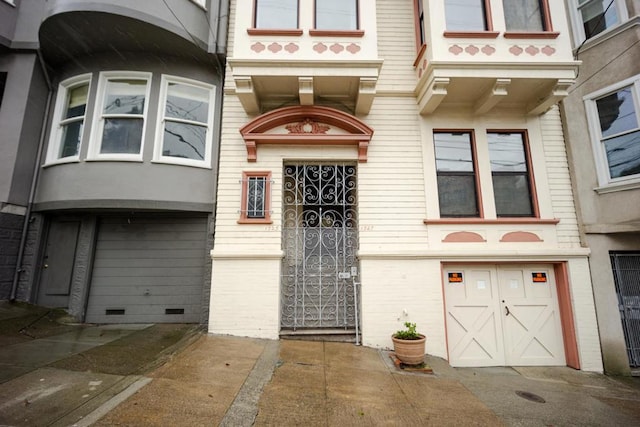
[160,375]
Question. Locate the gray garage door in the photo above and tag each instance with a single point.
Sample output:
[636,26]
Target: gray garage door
[148,270]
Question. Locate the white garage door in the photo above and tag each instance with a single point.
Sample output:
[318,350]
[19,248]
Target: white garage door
[503,316]
[148,270]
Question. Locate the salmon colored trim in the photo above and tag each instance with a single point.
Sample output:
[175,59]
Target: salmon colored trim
[337,33]
[571,354]
[267,198]
[472,34]
[421,51]
[463,237]
[255,132]
[546,16]
[521,236]
[530,35]
[268,32]
[420,44]
[499,221]
[487,15]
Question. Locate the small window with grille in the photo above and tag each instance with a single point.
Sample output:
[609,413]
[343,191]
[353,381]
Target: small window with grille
[256,198]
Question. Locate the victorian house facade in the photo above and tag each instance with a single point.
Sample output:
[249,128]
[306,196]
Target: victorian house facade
[110,122]
[391,161]
[602,125]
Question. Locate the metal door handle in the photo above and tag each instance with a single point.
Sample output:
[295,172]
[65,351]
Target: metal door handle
[507,308]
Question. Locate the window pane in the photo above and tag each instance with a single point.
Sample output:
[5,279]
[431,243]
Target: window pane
[457,195]
[255,197]
[184,141]
[187,102]
[336,15]
[594,17]
[617,113]
[623,154]
[506,152]
[70,144]
[512,195]
[122,136]
[465,15]
[125,97]
[523,15]
[276,14]
[453,152]
[76,102]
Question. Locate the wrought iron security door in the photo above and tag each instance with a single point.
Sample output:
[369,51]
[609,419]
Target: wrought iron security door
[320,239]
[626,275]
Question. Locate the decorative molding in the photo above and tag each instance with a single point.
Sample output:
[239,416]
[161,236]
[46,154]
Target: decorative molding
[337,48]
[531,35]
[463,237]
[520,236]
[472,34]
[500,221]
[308,126]
[356,132]
[337,33]
[472,49]
[266,32]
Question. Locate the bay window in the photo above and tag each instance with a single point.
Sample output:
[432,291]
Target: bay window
[120,111]
[336,14]
[68,119]
[526,15]
[276,14]
[466,15]
[185,120]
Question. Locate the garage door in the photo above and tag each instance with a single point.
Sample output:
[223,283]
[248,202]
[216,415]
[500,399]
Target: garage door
[503,316]
[148,270]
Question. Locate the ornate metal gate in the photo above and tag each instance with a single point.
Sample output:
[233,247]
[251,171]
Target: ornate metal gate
[320,239]
[626,275]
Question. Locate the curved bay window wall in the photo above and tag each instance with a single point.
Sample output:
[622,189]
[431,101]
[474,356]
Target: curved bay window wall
[122,116]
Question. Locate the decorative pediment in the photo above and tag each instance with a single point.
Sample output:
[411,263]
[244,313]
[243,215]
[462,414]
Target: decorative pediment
[306,125]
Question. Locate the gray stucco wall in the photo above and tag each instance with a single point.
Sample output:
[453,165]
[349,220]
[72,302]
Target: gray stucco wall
[8,18]
[10,231]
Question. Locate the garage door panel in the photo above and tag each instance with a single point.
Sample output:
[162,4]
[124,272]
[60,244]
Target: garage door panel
[155,253]
[100,283]
[148,272]
[146,269]
[503,315]
[136,262]
[145,245]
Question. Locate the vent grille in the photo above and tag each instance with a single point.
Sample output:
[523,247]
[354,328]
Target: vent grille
[174,311]
[114,312]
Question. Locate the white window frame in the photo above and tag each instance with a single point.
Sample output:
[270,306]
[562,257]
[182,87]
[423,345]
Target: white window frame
[55,138]
[578,25]
[159,140]
[98,119]
[600,155]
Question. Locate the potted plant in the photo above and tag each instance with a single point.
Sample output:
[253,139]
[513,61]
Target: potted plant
[409,345]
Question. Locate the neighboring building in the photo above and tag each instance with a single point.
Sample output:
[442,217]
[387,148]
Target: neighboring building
[395,161]
[602,124]
[110,124]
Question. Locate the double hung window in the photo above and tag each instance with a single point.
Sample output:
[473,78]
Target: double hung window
[595,16]
[455,167]
[510,173]
[614,117]
[276,14]
[185,122]
[121,111]
[256,198]
[466,15]
[525,15]
[336,15]
[68,119]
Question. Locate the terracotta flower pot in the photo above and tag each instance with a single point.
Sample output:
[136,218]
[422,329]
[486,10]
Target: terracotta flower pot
[410,352]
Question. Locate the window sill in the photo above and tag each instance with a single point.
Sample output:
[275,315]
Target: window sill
[531,35]
[336,33]
[255,221]
[266,32]
[472,34]
[200,165]
[61,162]
[618,186]
[499,221]
[114,159]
